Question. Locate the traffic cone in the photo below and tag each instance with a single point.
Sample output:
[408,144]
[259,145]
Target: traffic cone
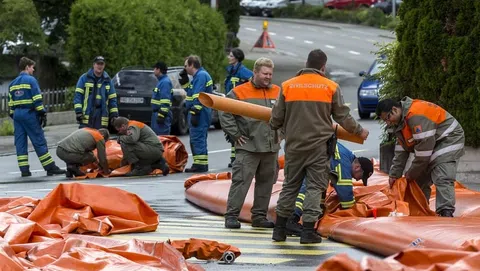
[264,41]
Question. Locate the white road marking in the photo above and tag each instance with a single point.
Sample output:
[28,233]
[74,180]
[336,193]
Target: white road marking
[327,32]
[359,150]
[32,171]
[217,151]
[289,37]
[250,29]
[372,41]
[348,104]
[330,46]
[308,41]
[354,52]
[272,33]
[355,37]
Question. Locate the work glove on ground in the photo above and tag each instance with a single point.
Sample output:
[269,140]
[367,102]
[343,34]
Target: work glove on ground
[183,77]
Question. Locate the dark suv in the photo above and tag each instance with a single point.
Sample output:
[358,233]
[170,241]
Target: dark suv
[134,87]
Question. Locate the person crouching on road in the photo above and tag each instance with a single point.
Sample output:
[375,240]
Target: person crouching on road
[237,74]
[77,150]
[344,166]
[141,147]
[29,117]
[162,101]
[436,138]
[257,147]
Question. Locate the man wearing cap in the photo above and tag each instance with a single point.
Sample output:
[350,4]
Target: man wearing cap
[162,100]
[344,166]
[95,98]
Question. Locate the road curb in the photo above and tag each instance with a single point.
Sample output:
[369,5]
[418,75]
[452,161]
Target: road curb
[302,21]
[387,37]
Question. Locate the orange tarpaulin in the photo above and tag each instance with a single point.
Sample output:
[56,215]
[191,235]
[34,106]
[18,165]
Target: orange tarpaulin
[93,208]
[204,177]
[203,249]
[175,154]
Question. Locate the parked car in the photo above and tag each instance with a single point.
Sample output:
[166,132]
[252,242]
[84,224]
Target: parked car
[134,87]
[387,7]
[345,4]
[255,7]
[272,5]
[367,93]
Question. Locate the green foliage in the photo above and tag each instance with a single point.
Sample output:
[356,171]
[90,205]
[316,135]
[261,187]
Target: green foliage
[363,16]
[6,128]
[19,20]
[140,32]
[54,14]
[437,59]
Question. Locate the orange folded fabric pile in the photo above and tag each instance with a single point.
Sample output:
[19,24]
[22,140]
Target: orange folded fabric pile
[175,154]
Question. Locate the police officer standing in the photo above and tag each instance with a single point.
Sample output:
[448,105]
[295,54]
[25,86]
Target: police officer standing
[199,116]
[237,74]
[305,107]
[29,117]
[95,98]
[162,101]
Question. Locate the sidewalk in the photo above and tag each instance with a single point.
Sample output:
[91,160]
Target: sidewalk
[53,134]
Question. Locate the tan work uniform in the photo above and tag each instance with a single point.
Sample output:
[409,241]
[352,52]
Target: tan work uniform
[257,157]
[304,109]
[140,145]
[77,148]
[437,139]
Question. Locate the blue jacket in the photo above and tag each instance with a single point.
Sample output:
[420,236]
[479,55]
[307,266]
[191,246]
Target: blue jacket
[24,92]
[202,82]
[341,163]
[92,94]
[162,96]
[236,75]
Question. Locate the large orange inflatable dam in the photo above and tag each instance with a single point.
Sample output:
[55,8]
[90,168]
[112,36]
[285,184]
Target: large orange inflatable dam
[259,112]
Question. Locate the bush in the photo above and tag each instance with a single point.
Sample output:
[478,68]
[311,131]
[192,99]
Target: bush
[140,32]
[6,128]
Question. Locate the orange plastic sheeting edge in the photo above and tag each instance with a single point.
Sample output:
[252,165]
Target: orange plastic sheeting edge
[205,177]
[258,112]
[203,249]
[89,208]
[21,206]
[175,154]
[407,260]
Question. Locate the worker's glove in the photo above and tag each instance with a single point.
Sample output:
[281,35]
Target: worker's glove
[183,77]
[79,117]
[229,139]
[160,119]
[194,117]
[43,120]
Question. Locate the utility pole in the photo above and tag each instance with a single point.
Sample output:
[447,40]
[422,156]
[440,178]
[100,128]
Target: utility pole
[394,7]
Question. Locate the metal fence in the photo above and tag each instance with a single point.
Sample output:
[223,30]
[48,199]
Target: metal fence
[53,100]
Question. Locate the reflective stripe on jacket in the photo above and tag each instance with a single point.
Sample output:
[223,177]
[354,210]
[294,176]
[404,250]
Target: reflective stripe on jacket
[95,93]
[430,132]
[341,164]
[162,96]
[261,137]
[236,75]
[202,82]
[24,92]
[305,108]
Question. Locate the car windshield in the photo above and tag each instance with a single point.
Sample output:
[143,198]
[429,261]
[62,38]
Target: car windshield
[377,67]
[135,79]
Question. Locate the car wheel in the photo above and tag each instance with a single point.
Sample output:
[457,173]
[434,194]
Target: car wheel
[182,126]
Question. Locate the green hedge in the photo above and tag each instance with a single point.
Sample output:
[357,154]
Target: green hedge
[437,59]
[140,32]
[363,16]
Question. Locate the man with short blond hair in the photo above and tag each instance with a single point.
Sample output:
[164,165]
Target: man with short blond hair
[256,146]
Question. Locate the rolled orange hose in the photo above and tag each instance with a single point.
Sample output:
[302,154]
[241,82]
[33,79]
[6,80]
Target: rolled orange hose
[259,112]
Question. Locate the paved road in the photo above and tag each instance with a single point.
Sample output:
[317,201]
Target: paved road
[348,54]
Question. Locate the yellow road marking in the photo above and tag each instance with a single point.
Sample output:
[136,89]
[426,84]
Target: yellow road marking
[211,217]
[253,260]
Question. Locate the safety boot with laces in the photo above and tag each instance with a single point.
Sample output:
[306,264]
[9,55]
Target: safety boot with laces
[309,234]
[55,170]
[279,231]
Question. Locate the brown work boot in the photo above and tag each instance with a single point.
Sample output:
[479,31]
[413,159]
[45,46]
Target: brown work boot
[232,222]
[139,170]
[279,231]
[309,234]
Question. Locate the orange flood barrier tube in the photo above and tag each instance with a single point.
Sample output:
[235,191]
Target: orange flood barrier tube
[259,112]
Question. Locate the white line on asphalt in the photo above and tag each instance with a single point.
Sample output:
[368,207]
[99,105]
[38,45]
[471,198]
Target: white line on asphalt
[330,46]
[217,151]
[250,29]
[327,32]
[289,37]
[32,171]
[272,33]
[359,150]
[372,41]
[356,109]
[354,52]
[355,37]
[348,104]
[308,41]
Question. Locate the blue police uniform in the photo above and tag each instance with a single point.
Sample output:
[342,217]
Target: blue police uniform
[202,82]
[161,103]
[236,75]
[341,165]
[26,107]
[96,98]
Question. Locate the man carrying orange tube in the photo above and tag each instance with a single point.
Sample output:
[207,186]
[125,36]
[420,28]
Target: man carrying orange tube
[256,146]
[436,138]
[304,109]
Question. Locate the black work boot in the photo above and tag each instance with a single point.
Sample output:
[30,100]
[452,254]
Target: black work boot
[55,170]
[446,213]
[232,222]
[293,227]
[26,174]
[139,170]
[309,234]
[74,170]
[279,231]
[196,168]
[262,223]
[162,165]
